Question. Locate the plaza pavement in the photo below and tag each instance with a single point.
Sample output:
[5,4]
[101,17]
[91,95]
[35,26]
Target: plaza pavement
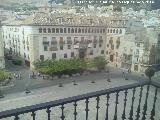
[17,100]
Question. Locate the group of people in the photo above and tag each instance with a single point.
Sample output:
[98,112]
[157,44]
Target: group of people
[32,75]
[17,76]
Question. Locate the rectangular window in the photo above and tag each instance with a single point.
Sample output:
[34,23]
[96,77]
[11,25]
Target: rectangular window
[53,55]
[53,30]
[61,47]
[45,48]
[95,45]
[102,51]
[72,54]
[65,55]
[53,41]
[44,38]
[69,46]
[42,57]
[100,45]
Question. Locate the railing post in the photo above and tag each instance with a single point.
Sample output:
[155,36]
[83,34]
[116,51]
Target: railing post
[16,117]
[145,105]
[115,114]
[62,116]
[107,106]
[87,101]
[131,111]
[97,107]
[153,109]
[75,110]
[139,104]
[49,111]
[33,115]
[125,101]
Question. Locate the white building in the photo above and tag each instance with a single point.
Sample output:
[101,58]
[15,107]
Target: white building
[41,38]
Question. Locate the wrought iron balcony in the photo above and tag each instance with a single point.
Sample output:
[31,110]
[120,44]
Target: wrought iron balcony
[137,101]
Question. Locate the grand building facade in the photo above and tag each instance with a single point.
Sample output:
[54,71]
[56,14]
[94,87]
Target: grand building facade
[35,42]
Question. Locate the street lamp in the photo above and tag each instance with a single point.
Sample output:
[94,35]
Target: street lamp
[108,79]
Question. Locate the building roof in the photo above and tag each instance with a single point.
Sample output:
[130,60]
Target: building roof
[41,18]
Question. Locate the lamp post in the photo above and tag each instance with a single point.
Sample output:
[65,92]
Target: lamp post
[108,79]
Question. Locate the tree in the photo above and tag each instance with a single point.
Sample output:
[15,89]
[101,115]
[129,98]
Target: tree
[149,73]
[3,76]
[100,63]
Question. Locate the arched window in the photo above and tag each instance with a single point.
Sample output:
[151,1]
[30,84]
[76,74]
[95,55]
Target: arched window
[61,30]
[83,30]
[57,30]
[117,31]
[49,30]
[120,32]
[53,30]
[44,30]
[86,30]
[89,30]
[79,30]
[40,30]
[75,30]
[72,30]
[110,30]
[113,30]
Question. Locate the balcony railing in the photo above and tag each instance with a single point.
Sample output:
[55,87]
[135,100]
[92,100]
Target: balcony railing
[137,101]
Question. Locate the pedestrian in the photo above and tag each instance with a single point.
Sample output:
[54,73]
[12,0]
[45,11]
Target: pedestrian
[16,76]
[20,76]
[29,76]
[39,74]
[33,75]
